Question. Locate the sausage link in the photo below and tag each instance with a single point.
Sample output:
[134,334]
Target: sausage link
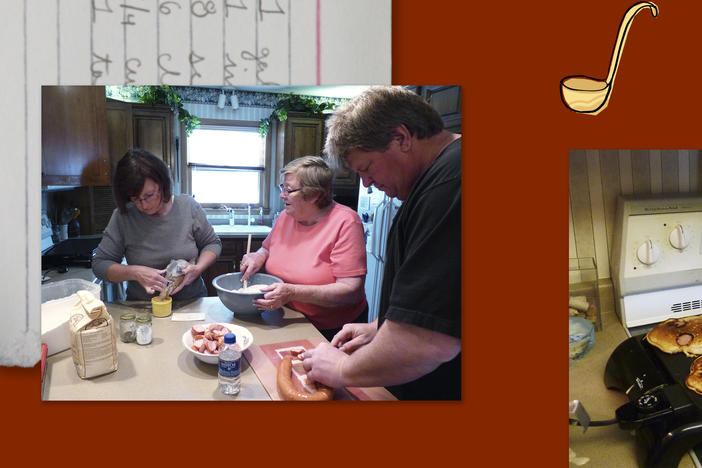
[287,390]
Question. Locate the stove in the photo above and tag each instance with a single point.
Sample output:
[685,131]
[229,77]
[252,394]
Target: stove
[656,258]
[72,251]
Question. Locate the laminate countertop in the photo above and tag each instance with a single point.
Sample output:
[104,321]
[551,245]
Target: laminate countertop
[164,369]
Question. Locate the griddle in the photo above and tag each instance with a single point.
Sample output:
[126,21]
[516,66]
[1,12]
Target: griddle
[665,415]
[73,251]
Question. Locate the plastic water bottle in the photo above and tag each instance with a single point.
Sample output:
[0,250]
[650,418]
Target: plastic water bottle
[229,366]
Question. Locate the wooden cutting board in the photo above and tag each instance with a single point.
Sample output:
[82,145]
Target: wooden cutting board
[264,361]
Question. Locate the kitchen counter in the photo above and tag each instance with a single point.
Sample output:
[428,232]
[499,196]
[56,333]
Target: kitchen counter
[74,272]
[164,369]
[225,230]
[605,446]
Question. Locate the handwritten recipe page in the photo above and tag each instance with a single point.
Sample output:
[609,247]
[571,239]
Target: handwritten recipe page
[177,42]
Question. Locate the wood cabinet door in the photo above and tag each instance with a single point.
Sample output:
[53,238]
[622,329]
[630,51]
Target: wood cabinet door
[345,178]
[153,131]
[119,131]
[447,101]
[74,136]
[303,136]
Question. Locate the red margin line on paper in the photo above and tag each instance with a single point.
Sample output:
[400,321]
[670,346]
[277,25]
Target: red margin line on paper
[319,72]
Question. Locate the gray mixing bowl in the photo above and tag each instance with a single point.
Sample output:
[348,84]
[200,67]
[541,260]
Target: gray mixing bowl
[241,303]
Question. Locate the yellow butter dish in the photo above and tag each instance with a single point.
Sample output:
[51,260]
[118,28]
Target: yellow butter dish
[161,307]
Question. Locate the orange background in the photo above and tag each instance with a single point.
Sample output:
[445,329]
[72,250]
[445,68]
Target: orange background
[509,58]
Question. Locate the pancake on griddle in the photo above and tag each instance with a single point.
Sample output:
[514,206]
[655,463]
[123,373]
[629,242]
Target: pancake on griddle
[678,335]
[694,380]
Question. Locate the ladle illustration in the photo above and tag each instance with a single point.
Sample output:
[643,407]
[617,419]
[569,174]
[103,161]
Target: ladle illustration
[589,95]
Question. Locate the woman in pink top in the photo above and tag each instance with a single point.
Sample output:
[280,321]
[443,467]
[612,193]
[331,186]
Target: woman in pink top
[317,248]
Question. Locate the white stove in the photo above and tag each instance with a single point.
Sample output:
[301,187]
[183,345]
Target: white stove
[657,258]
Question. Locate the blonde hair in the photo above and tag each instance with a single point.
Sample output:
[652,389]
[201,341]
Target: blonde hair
[315,177]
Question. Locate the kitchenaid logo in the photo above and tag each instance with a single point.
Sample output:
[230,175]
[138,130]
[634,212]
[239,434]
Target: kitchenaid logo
[661,208]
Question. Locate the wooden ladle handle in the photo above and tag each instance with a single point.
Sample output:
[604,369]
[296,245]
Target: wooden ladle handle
[623,31]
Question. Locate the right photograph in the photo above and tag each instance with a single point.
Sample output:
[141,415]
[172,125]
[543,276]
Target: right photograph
[635,307]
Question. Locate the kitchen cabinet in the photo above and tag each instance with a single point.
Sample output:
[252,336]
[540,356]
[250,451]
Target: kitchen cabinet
[119,130]
[233,248]
[299,135]
[126,125]
[145,126]
[447,101]
[303,135]
[152,127]
[74,136]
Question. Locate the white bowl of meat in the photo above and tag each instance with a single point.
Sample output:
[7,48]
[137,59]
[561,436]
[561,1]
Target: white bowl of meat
[205,341]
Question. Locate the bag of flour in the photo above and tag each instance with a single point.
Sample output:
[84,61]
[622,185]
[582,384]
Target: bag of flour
[93,342]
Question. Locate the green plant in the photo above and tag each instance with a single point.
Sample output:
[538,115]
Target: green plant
[293,103]
[165,95]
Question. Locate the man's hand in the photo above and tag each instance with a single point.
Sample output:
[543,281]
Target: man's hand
[354,335]
[324,364]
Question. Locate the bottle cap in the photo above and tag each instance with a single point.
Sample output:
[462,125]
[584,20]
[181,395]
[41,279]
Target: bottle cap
[230,338]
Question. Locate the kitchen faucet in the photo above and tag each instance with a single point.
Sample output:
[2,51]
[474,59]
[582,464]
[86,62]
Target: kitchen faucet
[231,214]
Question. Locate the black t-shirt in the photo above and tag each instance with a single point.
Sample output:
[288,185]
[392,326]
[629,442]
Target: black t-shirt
[422,277]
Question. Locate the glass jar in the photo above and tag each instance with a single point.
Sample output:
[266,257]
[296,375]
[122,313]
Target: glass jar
[583,289]
[143,329]
[127,327]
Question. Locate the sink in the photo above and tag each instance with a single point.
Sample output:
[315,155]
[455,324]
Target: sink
[227,229]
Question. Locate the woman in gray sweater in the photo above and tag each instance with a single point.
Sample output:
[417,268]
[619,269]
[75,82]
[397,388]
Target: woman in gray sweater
[150,227]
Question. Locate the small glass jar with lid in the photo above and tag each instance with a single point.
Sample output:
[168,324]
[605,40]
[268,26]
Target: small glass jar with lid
[127,327]
[143,329]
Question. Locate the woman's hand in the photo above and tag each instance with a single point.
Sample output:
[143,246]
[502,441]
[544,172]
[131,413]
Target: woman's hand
[150,279]
[252,263]
[190,274]
[354,335]
[276,295]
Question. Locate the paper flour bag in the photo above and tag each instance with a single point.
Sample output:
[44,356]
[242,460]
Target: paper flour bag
[93,341]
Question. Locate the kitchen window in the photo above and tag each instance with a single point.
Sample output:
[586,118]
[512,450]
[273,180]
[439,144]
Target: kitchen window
[227,164]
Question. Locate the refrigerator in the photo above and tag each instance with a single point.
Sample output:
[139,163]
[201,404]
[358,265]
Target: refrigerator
[377,211]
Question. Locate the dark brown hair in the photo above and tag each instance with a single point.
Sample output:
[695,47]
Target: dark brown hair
[369,121]
[131,172]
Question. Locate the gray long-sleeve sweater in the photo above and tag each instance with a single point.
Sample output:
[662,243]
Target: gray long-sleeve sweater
[154,241]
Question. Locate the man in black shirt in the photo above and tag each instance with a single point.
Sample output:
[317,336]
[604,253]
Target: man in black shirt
[397,142]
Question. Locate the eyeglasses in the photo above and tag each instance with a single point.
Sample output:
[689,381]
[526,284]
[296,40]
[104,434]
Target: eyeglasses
[288,191]
[145,199]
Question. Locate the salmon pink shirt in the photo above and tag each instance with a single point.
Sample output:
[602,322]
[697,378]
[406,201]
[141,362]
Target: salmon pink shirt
[333,247]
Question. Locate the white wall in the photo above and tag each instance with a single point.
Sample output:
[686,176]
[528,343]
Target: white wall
[598,177]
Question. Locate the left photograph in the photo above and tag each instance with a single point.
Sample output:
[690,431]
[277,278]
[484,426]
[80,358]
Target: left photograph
[206,243]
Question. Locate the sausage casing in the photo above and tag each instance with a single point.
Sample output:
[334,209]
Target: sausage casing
[287,390]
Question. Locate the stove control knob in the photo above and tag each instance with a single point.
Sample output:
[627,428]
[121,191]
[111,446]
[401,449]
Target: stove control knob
[648,253]
[647,401]
[678,237]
